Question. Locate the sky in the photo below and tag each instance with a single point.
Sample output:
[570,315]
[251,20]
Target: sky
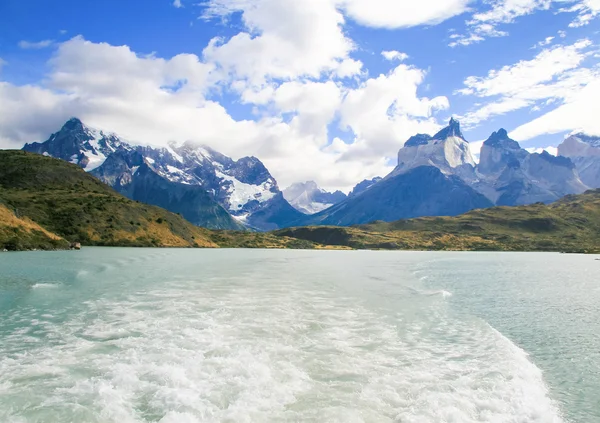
[323,90]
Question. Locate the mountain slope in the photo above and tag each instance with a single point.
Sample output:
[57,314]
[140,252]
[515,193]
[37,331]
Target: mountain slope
[65,200]
[131,175]
[23,234]
[423,191]
[570,225]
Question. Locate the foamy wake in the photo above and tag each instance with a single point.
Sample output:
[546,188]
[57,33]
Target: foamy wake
[264,353]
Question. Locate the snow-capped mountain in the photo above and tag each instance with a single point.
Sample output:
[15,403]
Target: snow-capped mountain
[308,198]
[78,144]
[584,151]
[186,179]
[437,176]
[426,182]
[518,177]
[447,150]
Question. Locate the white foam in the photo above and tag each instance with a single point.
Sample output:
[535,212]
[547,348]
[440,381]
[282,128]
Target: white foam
[239,350]
[45,286]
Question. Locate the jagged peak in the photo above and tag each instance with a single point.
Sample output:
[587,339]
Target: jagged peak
[73,124]
[501,139]
[452,130]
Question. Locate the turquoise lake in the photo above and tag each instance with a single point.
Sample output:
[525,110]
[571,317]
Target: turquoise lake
[182,336]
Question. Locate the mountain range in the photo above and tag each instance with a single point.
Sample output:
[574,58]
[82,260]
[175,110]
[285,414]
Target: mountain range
[436,175]
[47,203]
[207,188]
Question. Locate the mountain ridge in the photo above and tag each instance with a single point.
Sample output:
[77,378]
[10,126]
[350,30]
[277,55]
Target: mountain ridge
[226,194]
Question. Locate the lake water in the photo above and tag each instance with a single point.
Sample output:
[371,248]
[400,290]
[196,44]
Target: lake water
[182,336]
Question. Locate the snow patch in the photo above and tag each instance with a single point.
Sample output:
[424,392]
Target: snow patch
[241,194]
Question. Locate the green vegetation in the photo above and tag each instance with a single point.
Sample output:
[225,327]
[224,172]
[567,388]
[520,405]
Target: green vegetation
[47,203]
[68,202]
[23,234]
[233,239]
[569,225]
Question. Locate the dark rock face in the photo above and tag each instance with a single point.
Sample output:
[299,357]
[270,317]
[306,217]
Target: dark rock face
[364,185]
[452,130]
[419,139]
[190,201]
[423,191]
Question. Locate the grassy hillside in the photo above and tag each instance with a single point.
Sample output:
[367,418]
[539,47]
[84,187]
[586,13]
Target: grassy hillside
[569,225]
[24,234]
[66,201]
[59,203]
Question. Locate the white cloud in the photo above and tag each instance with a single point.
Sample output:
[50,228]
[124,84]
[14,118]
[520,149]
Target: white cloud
[152,100]
[177,3]
[484,24]
[553,75]
[546,41]
[284,40]
[578,113]
[587,10]
[394,55]
[401,14]
[27,45]
[385,111]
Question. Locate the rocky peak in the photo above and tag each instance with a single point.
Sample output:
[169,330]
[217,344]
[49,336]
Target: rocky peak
[447,150]
[73,124]
[452,130]
[500,139]
[580,145]
[592,140]
[499,152]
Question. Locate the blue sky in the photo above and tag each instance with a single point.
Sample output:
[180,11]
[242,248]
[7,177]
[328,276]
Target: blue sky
[318,89]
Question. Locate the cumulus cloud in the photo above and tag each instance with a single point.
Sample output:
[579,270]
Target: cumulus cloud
[28,45]
[284,40]
[385,111]
[554,75]
[394,55]
[401,14]
[177,3]
[152,100]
